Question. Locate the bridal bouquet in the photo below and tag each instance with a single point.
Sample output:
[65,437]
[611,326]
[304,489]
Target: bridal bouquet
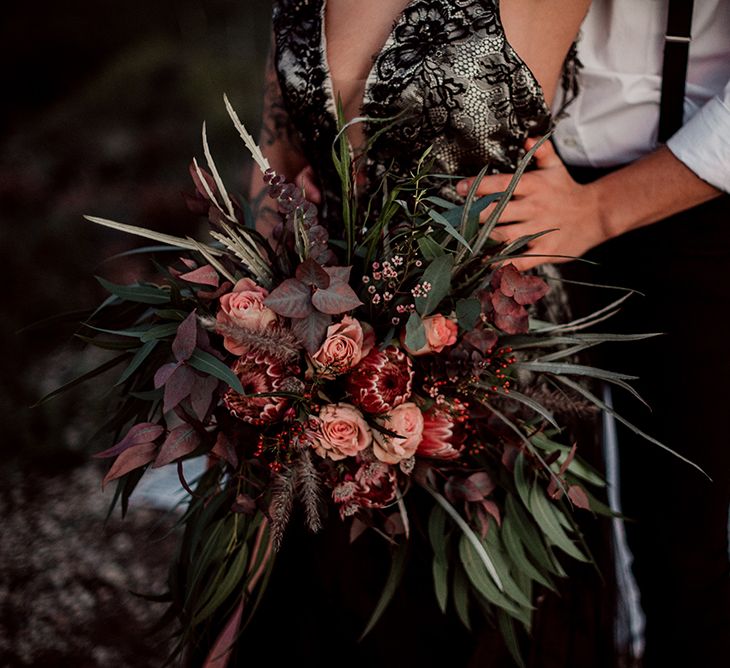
[337,372]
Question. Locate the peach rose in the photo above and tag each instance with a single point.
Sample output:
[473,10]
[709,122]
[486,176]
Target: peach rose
[440,332]
[243,307]
[341,432]
[346,344]
[405,420]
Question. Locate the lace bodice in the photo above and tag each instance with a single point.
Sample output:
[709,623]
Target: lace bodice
[446,70]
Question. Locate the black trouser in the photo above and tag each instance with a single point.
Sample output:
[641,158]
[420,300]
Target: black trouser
[679,532]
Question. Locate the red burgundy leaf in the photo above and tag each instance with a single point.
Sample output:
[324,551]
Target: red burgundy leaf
[206,275]
[220,653]
[145,432]
[523,288]
[339,274]
[181,441]
[186,338]
[164,372]
[224,449]
[311,330]
[178,386]
[579,497]
[291,299]
[493,509]
[214,294]
[190,264]
[564,466]
[481,483]
[201,394]
[482,339]
[130,459]
[337,298]
[311,273]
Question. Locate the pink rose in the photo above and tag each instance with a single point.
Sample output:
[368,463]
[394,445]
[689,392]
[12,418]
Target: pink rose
[405,420]
[341,431]
[243,307]
[346,344]
[440,332]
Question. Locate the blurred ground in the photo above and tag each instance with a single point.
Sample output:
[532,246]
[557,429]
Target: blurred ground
[102,115]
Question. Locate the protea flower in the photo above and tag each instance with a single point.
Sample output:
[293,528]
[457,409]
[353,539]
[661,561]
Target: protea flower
[442,436]
[259,373]
[381,381]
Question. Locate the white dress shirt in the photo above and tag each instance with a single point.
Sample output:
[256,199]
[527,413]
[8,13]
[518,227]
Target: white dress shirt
[615,118]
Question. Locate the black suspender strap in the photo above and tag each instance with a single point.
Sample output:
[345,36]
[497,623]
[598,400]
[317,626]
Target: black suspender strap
[674,71]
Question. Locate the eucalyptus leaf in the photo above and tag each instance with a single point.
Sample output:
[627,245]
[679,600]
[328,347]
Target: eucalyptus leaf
[144,294]
[438,274]
[460,589]
[394,577]
[448,227]
[516,551]
[415,332]
[429,248]
[160,331]
[547,519]
[205,362]
[139,357]
[468,312]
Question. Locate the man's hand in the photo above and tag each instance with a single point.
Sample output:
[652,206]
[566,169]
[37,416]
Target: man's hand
[546,199]
[647,191]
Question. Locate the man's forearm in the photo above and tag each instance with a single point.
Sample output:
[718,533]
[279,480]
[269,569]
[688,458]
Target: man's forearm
[649,190]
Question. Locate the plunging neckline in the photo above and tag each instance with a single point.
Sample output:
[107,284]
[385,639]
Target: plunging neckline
[330,101]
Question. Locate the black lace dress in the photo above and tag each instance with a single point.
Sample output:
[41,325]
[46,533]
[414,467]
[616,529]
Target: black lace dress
[446,71]
[458,85]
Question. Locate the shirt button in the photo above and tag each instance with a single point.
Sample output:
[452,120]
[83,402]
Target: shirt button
[570,142]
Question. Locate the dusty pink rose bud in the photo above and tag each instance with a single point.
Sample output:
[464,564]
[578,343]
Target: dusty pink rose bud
[244,307]
[343,348]
[440,332]
[341,431]
[442,435]
[405,420]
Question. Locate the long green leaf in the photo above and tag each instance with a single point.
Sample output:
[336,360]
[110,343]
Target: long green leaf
[605,407]
[516,551]
[460,589]
[530,403]
[394,577]
[160,332]
[206,363]
[547,519]
[140,356]
[484,584]
[531,537]
[440,571]
[509,633]
[150,234]
[234,573]
[110,364]
[450,230]
[470,535]
[144,294]
[438,274]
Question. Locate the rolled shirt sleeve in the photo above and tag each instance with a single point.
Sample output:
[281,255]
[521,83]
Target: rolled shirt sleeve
[703,142]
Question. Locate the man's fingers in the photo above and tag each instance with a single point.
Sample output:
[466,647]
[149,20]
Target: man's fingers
[496,183]
[545,156]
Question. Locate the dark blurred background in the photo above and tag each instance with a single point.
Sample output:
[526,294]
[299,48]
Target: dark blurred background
[104,103]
